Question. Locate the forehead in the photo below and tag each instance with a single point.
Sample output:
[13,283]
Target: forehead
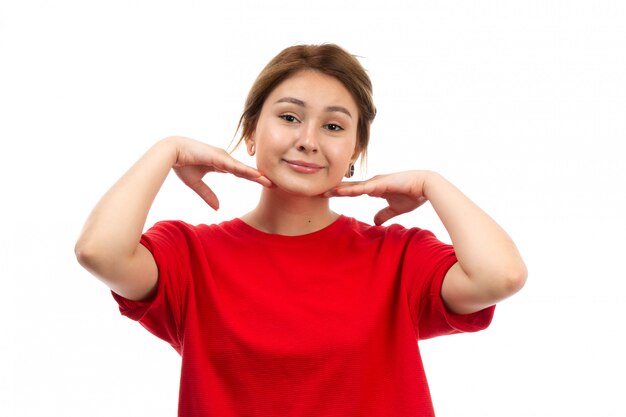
[315,88]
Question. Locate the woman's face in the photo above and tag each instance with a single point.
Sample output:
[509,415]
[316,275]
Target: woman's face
[305,137]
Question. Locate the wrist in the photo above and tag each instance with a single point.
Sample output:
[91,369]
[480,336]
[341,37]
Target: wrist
[429,182]
[170,146]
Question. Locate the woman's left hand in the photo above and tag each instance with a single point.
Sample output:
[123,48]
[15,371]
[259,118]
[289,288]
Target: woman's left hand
[489,266]
[404,192]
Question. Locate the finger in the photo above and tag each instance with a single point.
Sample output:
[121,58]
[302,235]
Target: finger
[421,201]
[230,165]
[372,187]
[264,181]
[383,215]
[334,192]
[206,194]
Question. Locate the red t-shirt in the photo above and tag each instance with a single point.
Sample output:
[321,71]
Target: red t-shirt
[323,325]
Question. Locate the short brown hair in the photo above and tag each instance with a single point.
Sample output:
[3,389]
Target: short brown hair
[328,59]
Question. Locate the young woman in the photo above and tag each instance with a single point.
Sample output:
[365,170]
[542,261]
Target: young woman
[292,309]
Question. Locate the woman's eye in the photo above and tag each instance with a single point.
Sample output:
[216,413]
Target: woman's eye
[288,118]
[334,127]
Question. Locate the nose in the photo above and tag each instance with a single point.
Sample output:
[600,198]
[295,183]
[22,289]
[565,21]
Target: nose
[307,141]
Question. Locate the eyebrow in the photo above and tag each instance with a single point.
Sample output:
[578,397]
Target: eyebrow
[301,103]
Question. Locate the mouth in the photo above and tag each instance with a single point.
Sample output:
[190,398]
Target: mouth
[303,166]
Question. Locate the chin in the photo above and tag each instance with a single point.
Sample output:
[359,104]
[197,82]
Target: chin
[301,189]
[300,192]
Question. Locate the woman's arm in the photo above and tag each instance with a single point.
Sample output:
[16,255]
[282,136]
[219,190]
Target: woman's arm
[108,245]
[489,266]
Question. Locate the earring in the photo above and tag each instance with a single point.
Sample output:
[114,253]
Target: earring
[350,171]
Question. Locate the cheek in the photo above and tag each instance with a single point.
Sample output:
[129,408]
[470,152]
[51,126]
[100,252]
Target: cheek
[343,154]
[268,136]
[339,162]
[267,149]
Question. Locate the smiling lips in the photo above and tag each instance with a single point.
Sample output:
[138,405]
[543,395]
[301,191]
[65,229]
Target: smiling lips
[303,167]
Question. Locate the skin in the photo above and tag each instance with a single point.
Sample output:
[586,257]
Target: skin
[303,143]
[310,118]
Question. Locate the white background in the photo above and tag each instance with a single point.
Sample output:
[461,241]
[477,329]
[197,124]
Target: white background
[521,104]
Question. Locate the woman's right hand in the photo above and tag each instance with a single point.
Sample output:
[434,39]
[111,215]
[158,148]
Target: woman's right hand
[109,245]
[195,159]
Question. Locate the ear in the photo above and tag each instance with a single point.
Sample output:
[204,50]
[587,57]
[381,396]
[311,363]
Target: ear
[250,145]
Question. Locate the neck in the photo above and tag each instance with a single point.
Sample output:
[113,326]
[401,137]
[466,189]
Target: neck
[286,214]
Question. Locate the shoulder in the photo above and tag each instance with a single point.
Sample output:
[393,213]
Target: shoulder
[393,234]
[170,230]
[179,231]
[182,226]
[392,231]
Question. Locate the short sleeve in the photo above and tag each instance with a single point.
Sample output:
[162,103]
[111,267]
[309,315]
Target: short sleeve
[162,315]
[426,262]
